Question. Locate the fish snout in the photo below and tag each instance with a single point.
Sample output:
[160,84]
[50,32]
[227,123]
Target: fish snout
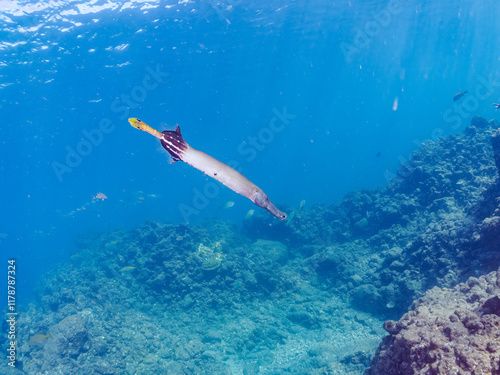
[262,200]
[281,215]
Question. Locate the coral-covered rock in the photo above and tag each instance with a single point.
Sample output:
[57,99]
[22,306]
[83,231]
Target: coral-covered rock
[68,337]
[67,340]
[495,142]
[447,332]
[172,299]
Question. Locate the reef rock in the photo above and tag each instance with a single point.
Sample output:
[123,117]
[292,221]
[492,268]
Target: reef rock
[69,336]
[68,340]
[495,142]
[447,332]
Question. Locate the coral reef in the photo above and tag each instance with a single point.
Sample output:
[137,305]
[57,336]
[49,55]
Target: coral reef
[495,142]
[303,297]
[434,224]
[192,300]
[210,257]
[448,332]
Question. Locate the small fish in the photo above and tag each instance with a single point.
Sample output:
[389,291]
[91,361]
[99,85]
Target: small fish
[290,218]
[228,204]
[249,214]
[38,339]
[497,106]
[127,269]
[99,197]
[302,204]
[459,95]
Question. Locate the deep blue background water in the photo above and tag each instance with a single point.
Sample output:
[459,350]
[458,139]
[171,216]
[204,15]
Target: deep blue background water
[231,65]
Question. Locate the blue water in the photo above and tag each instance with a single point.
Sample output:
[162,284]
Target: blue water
[363,83]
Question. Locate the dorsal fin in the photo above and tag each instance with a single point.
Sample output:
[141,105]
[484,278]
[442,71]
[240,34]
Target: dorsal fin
[173,142]
[177,129]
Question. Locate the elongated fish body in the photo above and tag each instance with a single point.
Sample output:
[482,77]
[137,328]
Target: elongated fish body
[179,149]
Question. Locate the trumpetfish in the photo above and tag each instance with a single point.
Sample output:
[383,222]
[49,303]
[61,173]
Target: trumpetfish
[179,149]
